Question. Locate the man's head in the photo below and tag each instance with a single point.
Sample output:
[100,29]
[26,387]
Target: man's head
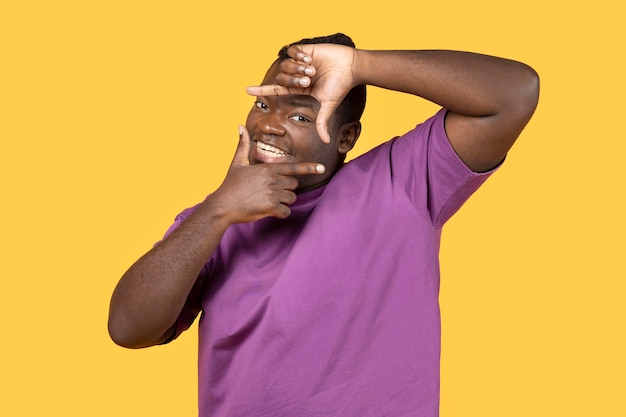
[352,107]
[283,127]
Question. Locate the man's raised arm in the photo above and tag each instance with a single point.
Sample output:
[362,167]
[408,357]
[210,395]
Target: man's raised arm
[489,99]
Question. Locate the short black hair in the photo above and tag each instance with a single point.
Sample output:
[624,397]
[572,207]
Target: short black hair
[352,107]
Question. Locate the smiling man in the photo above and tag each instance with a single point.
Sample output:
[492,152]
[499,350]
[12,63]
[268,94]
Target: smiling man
[317,280]
[298,141]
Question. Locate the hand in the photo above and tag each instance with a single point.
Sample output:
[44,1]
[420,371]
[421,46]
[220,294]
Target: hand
[251,192]
[324,71]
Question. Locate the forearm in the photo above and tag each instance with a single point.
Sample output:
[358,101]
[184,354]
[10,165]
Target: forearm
[463,82]
[489,99]
[151,294]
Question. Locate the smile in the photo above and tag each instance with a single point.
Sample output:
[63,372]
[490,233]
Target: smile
[269,150]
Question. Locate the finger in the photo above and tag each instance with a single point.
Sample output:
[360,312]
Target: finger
[299,168]
[243,148]
[272,90]
[290,66]
[288,183]
[288,197]
[323,117]
[302,52]
[294,81]
[281,212]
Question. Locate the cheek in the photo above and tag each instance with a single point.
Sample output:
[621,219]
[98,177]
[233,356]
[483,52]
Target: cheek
[250,121]
[324,153]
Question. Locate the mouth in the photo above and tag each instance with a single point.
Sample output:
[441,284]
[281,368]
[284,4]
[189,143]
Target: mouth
[267,152]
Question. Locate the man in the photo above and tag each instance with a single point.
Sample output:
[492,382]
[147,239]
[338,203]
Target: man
[318,280]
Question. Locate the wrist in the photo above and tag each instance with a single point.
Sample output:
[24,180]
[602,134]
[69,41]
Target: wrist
[364,62]
[216,213]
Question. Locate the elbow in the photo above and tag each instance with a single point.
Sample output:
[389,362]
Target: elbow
[119,326]
[123,333]
[121,336]
[520,101]
[528,93]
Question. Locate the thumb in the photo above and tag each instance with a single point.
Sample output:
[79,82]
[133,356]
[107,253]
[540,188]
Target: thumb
[243,148]
[327,109]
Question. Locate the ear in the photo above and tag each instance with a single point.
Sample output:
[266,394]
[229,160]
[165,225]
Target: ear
[348,134]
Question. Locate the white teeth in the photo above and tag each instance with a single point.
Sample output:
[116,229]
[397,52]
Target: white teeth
[270,150]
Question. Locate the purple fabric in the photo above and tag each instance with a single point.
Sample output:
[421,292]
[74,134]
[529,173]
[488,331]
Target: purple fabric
[334,310]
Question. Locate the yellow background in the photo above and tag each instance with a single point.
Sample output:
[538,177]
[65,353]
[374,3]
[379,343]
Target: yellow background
[116,115]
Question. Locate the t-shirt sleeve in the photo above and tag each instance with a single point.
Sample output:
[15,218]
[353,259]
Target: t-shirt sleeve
[433,176]
[192,306]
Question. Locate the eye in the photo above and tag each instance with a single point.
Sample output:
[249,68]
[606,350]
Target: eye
[261,105]
[300,118]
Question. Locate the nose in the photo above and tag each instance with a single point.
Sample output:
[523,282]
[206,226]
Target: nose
[271,124]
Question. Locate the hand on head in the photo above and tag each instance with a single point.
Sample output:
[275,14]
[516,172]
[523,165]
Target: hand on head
[324,71]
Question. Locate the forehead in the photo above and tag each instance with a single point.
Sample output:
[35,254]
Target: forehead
[297,100]
[270,75]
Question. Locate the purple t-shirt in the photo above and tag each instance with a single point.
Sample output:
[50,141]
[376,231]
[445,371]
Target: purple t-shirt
[334,310]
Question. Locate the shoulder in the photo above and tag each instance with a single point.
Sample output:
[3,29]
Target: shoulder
[411,146]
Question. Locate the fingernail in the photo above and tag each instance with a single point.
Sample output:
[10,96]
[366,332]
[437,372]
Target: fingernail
[308,71]
[319,168]
[303,81]
[240,130]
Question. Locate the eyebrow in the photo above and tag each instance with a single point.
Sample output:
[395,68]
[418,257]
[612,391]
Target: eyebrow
[301,102]
[296,100]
